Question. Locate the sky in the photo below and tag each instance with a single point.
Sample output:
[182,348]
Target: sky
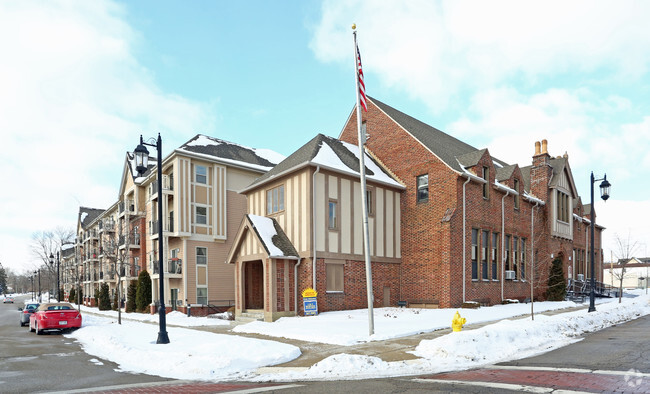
[209,356]
[81,81]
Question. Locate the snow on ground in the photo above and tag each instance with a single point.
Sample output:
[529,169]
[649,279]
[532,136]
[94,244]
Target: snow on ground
[203,355]
[192,354]
[351,327]
[174,318]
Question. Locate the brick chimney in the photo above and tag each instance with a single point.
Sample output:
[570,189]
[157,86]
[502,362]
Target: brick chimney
[541,171]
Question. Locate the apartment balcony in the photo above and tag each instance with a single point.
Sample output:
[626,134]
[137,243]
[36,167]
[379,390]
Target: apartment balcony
[134,241]
[173,268]
[126,207]
[167,185]
[107,225]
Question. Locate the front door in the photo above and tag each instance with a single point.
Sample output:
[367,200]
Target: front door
[174,298]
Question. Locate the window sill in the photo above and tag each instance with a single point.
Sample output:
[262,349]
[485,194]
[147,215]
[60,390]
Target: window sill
[333,292]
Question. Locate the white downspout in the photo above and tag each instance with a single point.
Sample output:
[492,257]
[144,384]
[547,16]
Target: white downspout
[295,285]
[503,241]
[532,256]
[313,225]
[464,239]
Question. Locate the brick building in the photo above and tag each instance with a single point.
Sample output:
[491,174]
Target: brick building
[449,223]
[304,230]
[475,228]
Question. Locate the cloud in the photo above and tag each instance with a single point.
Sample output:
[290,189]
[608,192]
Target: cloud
[504,74]
[436,51]
[74,99]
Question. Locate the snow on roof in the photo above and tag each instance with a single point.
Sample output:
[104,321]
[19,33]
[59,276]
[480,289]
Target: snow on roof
[266,231]
[328,158]
[230,152]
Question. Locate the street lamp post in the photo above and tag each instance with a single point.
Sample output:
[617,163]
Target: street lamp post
[32,279]
[141,161]
[58,295]
[604,194]
[39,283]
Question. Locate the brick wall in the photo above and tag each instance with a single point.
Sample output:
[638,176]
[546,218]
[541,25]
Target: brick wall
[432,249]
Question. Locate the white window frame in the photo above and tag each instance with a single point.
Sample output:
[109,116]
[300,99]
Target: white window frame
[200,174]
[205,255]
[196,215]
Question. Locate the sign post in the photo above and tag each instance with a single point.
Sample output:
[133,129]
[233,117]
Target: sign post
[309,302]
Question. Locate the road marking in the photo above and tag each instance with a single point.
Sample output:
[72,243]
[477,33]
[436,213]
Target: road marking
[504,386]
[172,383]
[575,370]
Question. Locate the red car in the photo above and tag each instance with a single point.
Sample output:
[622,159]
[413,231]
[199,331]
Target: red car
[58,316]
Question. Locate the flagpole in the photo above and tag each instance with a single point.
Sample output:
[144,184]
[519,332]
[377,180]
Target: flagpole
[364,202]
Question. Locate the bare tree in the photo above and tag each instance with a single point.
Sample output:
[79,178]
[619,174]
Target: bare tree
[624,251]
[46,244]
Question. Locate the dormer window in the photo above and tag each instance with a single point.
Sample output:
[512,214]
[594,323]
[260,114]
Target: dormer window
[516,187]
[486,185]
[562,206]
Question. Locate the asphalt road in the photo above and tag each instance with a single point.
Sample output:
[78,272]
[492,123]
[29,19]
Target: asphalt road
[614,359]
[51,362]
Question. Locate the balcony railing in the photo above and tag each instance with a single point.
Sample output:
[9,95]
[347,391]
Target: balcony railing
[174,266]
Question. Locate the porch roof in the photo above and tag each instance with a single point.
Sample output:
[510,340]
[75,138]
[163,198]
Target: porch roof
[268,233]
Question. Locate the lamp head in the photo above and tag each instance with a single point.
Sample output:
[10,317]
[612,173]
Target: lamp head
[604,188]
[141,154]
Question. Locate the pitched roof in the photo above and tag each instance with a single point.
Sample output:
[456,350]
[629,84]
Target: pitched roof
[330,153]
[443,145]
[87,215]
[273,238]
[231,153]
[504,173]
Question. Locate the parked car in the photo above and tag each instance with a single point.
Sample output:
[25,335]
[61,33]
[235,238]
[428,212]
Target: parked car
[59,316]
[8,299]
[26,312]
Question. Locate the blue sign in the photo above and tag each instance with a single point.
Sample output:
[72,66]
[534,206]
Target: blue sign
[310,305]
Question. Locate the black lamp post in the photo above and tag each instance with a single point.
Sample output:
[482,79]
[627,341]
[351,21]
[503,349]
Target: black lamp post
[39,283]
[141,161]
[58,296]
[604,194]
[32,279]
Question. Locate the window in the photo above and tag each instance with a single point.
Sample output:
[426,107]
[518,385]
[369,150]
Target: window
[562,206]
[201,215]
[486,185]
[484,254]
[474,254]
[515,254]
[516,184]
[202,295]
[332,217]
[369,202]
[423,188]
[508,253]
[334,277]
[201,255]
[522,260]
[275,200]
[494,254]
[201,174]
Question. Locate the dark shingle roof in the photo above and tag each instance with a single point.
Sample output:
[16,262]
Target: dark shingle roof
[443,145]
[279,240]
[306,154]
[504,173]
[206,145]
[87,215]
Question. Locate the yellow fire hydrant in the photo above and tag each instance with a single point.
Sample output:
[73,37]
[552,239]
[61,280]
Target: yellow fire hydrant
[457,322]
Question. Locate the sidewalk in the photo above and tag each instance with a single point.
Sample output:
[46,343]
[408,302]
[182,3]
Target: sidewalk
[388,350]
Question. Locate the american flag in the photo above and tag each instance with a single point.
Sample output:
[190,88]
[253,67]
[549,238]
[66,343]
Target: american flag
[362,86]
